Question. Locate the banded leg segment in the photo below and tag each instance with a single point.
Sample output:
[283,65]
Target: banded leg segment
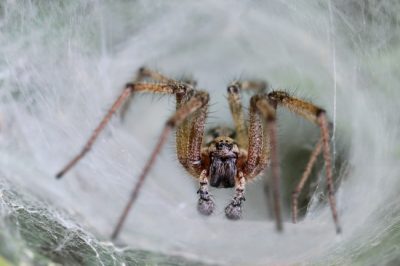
[198,100]
[317,116]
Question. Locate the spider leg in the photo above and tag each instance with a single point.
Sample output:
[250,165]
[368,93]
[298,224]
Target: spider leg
[189,140]
[303,180]
[235,105]
[318,116]
[206,203]
[198,100]
[234,210]
[130,88]
[189,121]
[117,104]
[194,161]
[260,105]
[142,74]
[145,73]
[262,143]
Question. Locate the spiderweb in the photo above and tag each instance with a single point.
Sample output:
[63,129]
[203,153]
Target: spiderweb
[62,65]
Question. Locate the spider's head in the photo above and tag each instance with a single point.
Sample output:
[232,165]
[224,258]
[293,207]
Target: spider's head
[223,152]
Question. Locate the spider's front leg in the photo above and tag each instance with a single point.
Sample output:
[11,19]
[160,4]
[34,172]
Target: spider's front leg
[189,120]
[206,203]
[198,101]
[142,74]
[260,106]
[258,141]
[234,210]
[170,87]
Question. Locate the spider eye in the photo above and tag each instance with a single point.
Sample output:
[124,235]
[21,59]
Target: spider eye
[221,145]
[233,89]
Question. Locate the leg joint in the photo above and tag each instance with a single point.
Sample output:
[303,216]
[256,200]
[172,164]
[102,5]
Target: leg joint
[320,112]
[260,103]
[203,97]
[130,85]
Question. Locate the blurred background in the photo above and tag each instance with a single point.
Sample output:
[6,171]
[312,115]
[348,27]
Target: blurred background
[62,64]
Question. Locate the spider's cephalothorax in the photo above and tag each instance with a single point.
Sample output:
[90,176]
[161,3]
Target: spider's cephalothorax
[226,158]
[223,152]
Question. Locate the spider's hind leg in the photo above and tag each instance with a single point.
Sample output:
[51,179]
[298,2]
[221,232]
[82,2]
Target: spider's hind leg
[317,116]
[303,180]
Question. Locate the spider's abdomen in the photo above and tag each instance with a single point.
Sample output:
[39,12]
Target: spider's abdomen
[223,172]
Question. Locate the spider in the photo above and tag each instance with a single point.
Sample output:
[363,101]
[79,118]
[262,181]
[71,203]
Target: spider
[225,158]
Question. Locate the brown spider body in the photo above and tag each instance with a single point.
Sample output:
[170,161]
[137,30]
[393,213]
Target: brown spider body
[223,158]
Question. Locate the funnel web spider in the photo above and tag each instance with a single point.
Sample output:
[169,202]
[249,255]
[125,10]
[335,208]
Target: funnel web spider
[231,158]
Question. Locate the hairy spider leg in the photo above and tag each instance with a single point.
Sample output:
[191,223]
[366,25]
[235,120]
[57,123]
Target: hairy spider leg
[122,103]
[186,129]
[189,128]
[233,210]
[117,104]
[260,141]
[142,74]
[199,100]
[316,115]
[124,100]
[128,90]
[206,203]
[261,105]
[304,178]
[235,105]
[249,147]
[183,131]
